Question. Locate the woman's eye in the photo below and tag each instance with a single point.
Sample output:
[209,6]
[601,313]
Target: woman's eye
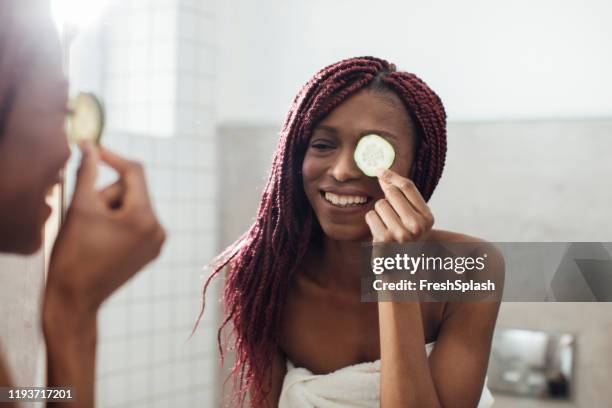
[321,146]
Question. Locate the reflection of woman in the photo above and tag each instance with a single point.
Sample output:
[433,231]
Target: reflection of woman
[108,235]
[292,292]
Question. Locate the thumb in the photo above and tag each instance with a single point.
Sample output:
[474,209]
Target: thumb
[112,195]
[88,171]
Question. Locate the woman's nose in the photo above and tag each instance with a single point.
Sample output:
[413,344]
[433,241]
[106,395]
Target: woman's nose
[345,168]
[65,152]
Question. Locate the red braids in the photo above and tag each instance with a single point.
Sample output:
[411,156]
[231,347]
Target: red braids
[263,261]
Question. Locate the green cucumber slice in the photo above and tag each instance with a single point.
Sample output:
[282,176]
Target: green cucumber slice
[372,153]
[86,121]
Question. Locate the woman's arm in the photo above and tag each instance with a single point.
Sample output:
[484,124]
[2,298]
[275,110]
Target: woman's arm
[460,358]
[405,377]
[107,237]
[455,373]
[277,375]
[5,379]
[70,333]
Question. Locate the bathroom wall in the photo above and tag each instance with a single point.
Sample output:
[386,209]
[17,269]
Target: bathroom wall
[170,71]
[592,325]
[503,181]
[488,60]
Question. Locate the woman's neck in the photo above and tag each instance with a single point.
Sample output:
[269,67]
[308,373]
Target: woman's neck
[337,264]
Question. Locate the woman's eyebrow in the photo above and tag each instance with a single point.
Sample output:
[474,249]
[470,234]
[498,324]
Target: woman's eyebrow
[334,131]
[379,132]
[326,128]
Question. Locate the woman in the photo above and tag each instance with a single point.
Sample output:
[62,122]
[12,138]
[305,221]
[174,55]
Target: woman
[292,293]
[108,235]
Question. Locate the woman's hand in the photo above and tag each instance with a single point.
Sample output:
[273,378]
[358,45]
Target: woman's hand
[403,215]
[108,235]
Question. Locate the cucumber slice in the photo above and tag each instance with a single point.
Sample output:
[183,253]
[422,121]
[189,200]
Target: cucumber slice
[86,121]
[372,153]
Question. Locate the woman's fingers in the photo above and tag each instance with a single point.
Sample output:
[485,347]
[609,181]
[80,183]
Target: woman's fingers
[117,162]
[389,181]
[392,221]
[403,212]
[410,218]
[377,226]
[408,188]
[112,195]
[87,174]
[131,174]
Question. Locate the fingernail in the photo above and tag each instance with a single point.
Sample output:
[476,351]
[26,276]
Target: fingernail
[383,173]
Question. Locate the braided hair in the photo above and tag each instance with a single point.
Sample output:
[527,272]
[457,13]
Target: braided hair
[262,262]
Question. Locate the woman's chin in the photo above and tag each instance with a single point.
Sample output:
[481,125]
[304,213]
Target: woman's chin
[23,244]
[347,232]
[33,241]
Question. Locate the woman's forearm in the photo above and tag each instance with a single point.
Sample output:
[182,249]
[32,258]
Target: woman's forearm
[70,335]
[5,381]
[405,376]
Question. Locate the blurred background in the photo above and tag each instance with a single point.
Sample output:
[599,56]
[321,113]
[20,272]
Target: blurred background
[197,90]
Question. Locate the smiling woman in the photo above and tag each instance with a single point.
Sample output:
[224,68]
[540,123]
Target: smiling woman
[32,85]
[292,289]
[108,234]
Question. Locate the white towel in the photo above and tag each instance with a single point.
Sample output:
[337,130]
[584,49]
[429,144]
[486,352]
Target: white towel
[355,386]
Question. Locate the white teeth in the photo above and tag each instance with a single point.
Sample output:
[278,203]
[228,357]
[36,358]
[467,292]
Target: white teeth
[345,200]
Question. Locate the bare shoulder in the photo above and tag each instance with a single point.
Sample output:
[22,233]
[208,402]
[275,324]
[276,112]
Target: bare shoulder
[437,235]
[496,262]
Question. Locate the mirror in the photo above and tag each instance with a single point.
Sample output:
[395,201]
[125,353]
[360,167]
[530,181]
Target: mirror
[533,364]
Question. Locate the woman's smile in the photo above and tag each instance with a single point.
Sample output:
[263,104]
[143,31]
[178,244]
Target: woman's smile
[345,200]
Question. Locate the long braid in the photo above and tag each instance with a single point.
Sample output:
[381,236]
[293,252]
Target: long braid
[263,261]
[431,117]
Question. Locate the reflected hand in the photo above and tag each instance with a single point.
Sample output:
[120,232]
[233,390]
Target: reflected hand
[108,235]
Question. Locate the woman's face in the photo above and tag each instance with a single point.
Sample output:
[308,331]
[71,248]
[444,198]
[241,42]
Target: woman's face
[33,150]
[329,170]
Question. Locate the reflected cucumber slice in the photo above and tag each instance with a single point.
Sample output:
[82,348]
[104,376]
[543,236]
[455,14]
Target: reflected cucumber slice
[86,121]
